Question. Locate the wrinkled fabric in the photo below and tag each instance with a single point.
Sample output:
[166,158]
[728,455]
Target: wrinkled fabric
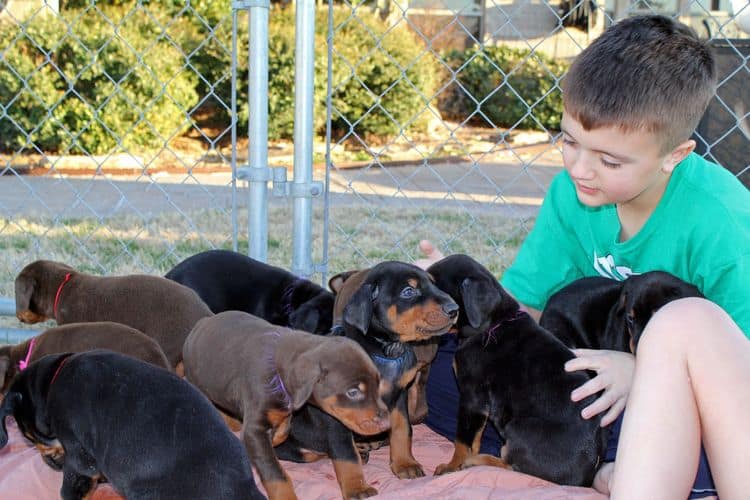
[24,476]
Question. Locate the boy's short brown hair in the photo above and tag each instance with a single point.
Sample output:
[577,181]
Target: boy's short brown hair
[647,73]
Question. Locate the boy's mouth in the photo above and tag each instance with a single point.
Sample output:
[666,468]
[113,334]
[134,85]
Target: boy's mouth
[585,189]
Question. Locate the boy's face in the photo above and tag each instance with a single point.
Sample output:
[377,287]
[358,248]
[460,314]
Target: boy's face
[610,166]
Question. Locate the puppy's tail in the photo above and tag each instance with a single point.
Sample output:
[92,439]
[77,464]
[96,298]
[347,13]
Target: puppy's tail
[10,402]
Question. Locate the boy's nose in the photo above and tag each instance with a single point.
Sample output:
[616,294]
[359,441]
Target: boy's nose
[580,166]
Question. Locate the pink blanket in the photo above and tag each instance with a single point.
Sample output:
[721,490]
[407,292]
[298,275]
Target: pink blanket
[23,476]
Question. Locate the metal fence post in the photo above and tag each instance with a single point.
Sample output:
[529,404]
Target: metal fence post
[303,189]
[257,174]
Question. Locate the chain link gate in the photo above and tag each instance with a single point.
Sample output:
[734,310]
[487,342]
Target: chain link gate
[438,117]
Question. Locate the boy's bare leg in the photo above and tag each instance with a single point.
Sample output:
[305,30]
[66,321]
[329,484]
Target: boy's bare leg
[692,382]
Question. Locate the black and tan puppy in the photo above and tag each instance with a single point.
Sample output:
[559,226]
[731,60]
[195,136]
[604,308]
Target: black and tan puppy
[510,372]
[230,281]
[581,315]
[644,294]
[162,309]
[601,313]
[390,309]
[261,373]
[147,431]
[80,337]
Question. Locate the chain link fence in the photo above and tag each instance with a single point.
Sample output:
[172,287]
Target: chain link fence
[433,119]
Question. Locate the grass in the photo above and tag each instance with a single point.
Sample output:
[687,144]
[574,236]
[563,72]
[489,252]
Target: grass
[358,237]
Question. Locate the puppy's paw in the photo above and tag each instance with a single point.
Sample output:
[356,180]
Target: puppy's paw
[485,459]
[407,469]
[365,492]
[376,444]
[446,469]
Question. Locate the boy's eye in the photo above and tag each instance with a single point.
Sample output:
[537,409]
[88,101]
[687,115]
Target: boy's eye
[568,141]
[409,293]
[609,164]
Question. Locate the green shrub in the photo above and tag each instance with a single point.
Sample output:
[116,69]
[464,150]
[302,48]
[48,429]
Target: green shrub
[510,87]
[83,83]
[366,65]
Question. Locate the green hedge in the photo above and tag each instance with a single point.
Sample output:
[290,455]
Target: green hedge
[130,72]
[502,83]
[81,84]
[370,61]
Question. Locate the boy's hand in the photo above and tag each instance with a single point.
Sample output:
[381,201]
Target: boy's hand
[614,376]
[430,253]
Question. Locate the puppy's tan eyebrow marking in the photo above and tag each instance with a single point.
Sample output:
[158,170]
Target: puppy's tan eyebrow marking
[413,282]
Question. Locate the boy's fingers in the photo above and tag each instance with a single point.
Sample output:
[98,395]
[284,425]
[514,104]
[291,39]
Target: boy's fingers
[426,247]
[586,352]
[598,406]
[593,386]
[429,250]
[583,363]
[613,413]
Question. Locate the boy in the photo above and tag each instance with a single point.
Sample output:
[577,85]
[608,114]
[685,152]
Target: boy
[634,197]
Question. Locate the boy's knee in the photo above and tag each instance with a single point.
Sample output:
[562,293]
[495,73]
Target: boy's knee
[682,322]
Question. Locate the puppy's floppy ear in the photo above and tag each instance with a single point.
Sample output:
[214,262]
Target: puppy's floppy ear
[305,374]
[480,298]
[304,318]
[25,285]
[336,282]
[10,402]
[358,312]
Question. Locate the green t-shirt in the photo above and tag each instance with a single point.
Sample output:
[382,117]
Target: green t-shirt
[699,231]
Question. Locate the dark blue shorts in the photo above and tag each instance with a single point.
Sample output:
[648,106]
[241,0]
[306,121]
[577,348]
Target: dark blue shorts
[442,403]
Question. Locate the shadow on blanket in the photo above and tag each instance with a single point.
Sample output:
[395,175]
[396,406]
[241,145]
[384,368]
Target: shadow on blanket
[23,476]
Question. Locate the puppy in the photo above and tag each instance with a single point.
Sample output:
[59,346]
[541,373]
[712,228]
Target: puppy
[601,313]
[510,372]
[148,432]
[581,315]
[388,309]
[79,337]
[261,373]
[644,294]
[231,281]
[160,308]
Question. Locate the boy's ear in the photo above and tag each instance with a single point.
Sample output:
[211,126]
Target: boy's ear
[678,154]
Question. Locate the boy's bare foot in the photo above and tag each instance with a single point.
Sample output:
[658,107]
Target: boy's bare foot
[430,253]
[603,478]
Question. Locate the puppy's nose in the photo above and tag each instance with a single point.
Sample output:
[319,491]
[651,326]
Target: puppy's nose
[451,309]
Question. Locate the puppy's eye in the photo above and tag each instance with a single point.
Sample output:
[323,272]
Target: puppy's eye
[355,394]
[409,293]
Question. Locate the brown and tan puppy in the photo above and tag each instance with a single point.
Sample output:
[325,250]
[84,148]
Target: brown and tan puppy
[160,308]
[80,337]
[261,373]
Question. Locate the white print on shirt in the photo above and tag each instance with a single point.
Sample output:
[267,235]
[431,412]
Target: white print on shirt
[606,267]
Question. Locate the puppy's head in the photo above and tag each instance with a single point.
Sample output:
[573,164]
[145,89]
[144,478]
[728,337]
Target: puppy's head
[396,301]
[26,401]
[477,292]
[36,285]
[311,308]
[644,294]
[340,378]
